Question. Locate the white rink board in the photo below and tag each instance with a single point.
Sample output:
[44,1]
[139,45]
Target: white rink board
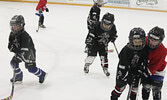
[146,4]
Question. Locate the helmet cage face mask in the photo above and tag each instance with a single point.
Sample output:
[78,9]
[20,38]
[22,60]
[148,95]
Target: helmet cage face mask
[106,27]
[137,43]
[107,22]
[153,41]
[17,23]
[155,37]
[16,27]
[137,39]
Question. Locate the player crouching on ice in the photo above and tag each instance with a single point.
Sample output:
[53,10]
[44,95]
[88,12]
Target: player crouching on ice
[132,65]
[21,43]
[97,42]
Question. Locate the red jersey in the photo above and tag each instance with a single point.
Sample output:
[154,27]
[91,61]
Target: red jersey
[41,4]
[156,60]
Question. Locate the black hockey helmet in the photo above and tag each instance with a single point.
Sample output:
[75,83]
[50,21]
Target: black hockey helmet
[17,23]
[98,3]
[136,39]
[107,21]
[155,34]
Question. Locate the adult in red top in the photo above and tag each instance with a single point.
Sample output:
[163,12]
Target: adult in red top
[41,7]
[156,64]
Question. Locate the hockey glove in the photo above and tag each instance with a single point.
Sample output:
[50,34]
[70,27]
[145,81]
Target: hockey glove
[143,71]
[114,38]
[47,10]
[13,48]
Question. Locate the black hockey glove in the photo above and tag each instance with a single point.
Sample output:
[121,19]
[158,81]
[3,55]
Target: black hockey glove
[114,38]
[13,48]
[40,11]
[47,10]
[143,71]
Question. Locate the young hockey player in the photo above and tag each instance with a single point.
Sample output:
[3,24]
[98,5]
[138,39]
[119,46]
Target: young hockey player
[156,64]
[97,42]
[94,16]
[41,7]
[21,44]
[132,62]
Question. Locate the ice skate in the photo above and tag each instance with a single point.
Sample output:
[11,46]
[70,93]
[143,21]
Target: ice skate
[42,26]
[86,50]
[18,78]
[42,78]
[105,70]
[86,68]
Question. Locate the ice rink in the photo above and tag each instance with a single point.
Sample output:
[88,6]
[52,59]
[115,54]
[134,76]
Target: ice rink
[60,52]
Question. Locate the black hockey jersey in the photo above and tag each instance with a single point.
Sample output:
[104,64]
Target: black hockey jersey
[99,37]
[20,42]
[133,59]
[22,45]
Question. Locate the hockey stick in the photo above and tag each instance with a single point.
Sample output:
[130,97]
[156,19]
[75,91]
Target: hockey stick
[133,65]
[115,48]
[137,94]
[130,89]
[12,92]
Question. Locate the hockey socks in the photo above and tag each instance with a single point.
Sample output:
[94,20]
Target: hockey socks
[18,73]
[38,72]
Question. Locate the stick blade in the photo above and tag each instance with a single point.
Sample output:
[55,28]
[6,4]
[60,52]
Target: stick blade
[8,98]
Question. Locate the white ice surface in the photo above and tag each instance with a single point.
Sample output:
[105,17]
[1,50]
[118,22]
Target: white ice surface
[60,52]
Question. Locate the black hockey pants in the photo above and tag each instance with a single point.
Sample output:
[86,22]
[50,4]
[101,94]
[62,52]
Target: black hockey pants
[41,20]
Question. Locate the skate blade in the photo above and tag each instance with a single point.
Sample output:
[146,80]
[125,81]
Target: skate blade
[18,82]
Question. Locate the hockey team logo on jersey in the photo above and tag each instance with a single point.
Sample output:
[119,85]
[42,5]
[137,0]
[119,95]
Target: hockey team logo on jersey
[104,38]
